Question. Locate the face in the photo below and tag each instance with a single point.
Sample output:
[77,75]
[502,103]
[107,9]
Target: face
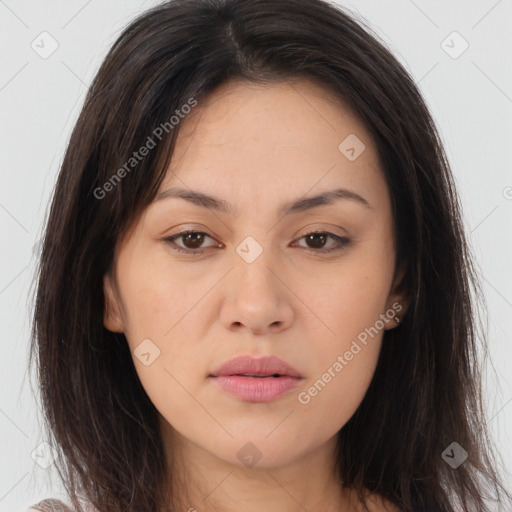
[251,279]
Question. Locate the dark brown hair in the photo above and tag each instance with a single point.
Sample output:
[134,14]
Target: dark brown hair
[425,393]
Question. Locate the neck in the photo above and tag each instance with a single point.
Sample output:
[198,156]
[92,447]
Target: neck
[202,482]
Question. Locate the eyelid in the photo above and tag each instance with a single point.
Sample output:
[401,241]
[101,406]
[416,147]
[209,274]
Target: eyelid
[342,241]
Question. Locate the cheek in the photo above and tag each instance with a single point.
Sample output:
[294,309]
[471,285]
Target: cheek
[343,370]
[351,293]
[346,335]
[343,305]
[160,320]
[157,298]
[328,403]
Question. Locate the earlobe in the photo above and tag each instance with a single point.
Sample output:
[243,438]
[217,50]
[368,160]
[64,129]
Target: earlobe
[112,318]
[398,302]
[400,305]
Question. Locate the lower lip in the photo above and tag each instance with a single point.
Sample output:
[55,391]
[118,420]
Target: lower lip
[257,389]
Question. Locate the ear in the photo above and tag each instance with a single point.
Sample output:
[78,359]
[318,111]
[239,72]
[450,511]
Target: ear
[398,300]
[112,318]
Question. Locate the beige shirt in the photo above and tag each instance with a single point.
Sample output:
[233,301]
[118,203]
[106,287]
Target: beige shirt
[52,505]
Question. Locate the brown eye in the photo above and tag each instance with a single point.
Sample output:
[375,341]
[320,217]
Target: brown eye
[192,241]
[316,241]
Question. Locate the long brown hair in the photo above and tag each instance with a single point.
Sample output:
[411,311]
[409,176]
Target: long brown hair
[425,393]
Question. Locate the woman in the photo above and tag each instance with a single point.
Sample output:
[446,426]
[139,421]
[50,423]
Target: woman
[254,289]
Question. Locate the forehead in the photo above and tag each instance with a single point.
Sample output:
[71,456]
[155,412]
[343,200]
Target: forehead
[296,114]
[292,136]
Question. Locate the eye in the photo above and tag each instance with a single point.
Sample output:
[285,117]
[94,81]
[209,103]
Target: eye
[318,238]
[193,241]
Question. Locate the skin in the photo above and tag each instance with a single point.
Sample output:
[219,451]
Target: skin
[257,146]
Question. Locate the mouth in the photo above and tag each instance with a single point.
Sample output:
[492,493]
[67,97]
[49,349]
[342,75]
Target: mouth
[262,367]
[255,376]
[257,388]
[260,380]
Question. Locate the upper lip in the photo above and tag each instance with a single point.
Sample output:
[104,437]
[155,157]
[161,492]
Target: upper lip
[249,365]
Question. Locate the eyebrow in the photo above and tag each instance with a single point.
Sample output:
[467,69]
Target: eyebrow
[299,205]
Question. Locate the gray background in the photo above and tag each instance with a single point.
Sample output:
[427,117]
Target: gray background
[470,97]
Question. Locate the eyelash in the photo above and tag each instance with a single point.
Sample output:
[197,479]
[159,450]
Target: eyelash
[343,242]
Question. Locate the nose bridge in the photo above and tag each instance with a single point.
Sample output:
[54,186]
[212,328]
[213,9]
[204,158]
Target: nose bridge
[255,261]
[257,297]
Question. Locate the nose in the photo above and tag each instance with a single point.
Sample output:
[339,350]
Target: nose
[257,299]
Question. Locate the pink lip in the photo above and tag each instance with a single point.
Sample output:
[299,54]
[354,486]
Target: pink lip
[252,379]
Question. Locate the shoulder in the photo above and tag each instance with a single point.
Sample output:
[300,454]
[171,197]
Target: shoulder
[49,505]
[54,505]
[374,503]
